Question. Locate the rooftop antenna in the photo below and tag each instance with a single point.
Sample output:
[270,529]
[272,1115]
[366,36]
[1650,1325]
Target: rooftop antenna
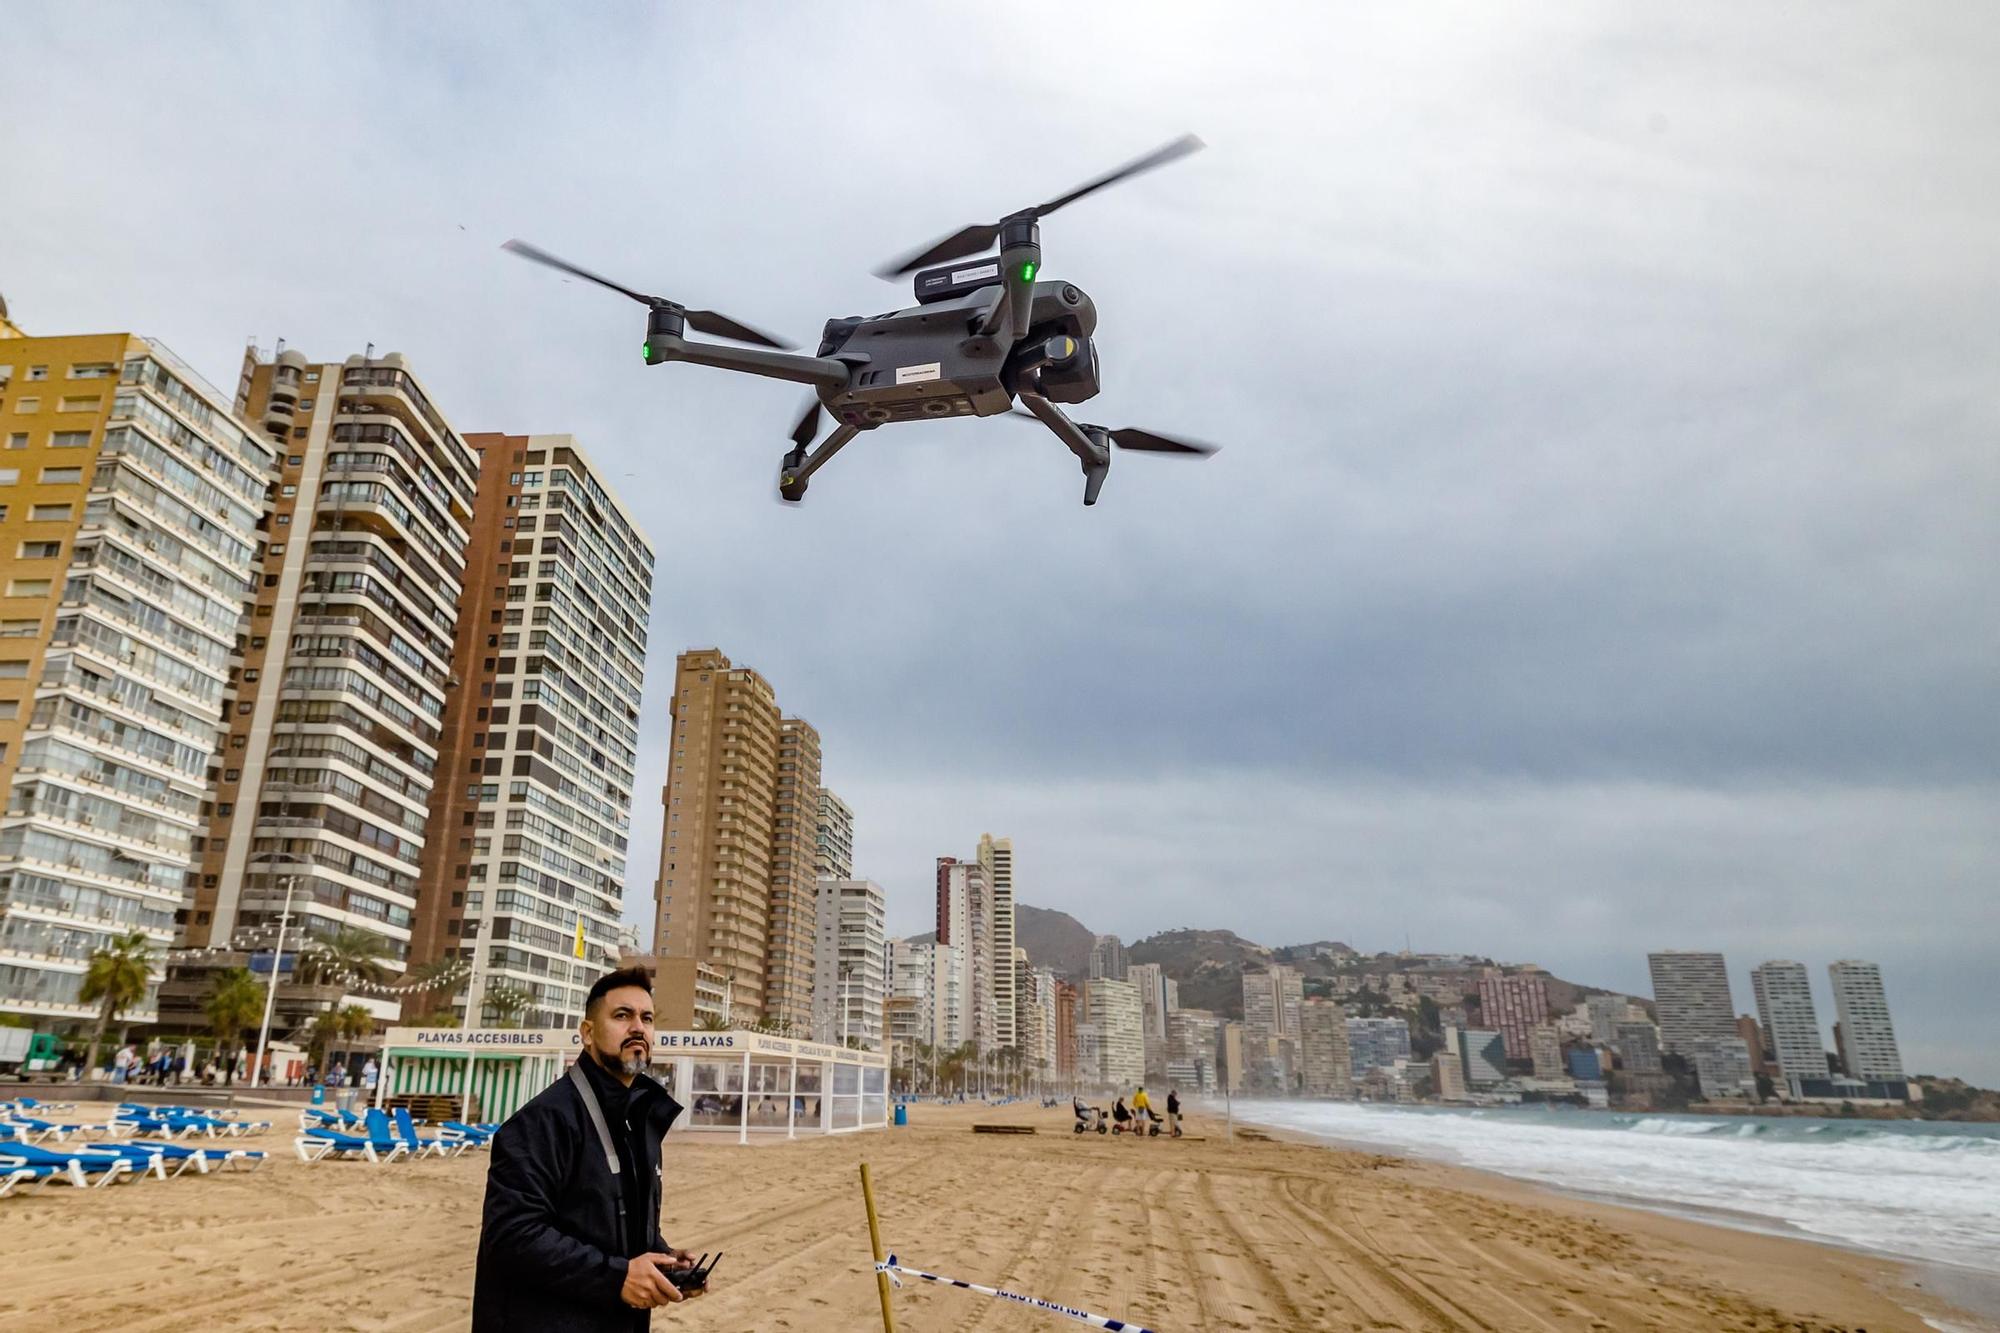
[369,355]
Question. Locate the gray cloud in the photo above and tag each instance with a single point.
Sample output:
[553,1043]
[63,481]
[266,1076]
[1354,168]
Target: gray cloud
[1607,511]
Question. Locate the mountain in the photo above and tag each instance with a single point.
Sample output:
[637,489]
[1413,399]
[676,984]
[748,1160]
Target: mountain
[1208,964]
[1053,939]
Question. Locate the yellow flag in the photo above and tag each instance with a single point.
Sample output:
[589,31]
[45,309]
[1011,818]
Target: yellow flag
[579,937]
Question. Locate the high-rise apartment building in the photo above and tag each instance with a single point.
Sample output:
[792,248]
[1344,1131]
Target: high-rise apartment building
[335,723]
[1639,1048]
[1114,1012]
[1514,1005]
[788,962]
[1271,1000]
[1035,1015]
[1722,1068]
[1785,1008]
[1545,1049]
[1376,1043]
[1107,958]
[1066,1021]
[834,848]
[1691,997]
[1194,1040]
[728,849]
[1159,996]
[132,505]
[1606,1013]
[996,858]
[524,875]
[1324,1062]
[1867,1037]
[966,921]
[849,962]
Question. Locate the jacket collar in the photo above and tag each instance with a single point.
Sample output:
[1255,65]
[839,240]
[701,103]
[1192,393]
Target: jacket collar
[645,1100]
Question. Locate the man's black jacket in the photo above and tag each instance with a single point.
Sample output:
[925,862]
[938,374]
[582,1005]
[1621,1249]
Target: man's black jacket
[552,1245]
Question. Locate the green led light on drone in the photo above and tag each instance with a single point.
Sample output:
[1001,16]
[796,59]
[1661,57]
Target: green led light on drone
[646,350]
[1028,271]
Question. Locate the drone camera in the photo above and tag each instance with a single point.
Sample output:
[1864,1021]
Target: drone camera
[1072,376]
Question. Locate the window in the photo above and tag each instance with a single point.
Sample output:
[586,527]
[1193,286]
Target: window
[13,670]
[19,629]
[26,405]
[82,403]
[312,377]
[9,476]
[305,404]
[294,460]
[277,548]
[38,372]
[18,440]
[51,513]
[69,439]
[40,550]
[10,708]
[289,490]
[284,520]
[27,587]
[61,474]
[91,370]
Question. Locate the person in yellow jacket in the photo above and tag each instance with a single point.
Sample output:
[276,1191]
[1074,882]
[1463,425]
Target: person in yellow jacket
[1142,1114]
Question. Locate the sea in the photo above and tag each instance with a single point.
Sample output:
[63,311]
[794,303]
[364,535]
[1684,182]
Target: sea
[1919,1190]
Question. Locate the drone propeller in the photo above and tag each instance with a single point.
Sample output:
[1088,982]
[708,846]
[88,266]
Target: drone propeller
[981,236]
[1142,441]
[705,321]
[808,427]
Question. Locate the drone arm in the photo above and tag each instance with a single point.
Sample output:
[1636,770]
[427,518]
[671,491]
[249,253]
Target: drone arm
[819,371]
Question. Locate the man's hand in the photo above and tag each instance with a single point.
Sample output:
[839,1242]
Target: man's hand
[645,1287]
[681,1258]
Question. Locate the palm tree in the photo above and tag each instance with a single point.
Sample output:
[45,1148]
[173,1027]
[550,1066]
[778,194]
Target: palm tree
[353,1021]
[434,975]
[440,1018]
[710,1023]
[118,976]
[235,1002]
[508,1004]
[350,954]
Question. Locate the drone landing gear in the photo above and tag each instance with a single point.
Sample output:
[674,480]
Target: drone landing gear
[1090,444]
[796,470]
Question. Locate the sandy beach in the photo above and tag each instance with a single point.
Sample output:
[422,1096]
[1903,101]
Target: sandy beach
[1252,1234]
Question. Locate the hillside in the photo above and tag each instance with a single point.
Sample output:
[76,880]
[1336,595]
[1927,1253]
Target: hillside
[1208,964]
[1053,939]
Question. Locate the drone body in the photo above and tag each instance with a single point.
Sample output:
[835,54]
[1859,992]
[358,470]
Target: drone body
[987,330]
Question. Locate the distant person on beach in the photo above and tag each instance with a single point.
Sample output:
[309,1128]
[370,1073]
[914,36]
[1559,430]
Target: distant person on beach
[1120,1117]
[1173,1112]
[1142,1112]
[570,1240]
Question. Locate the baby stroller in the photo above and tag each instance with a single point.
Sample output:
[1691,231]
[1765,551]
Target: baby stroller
[1087,1118]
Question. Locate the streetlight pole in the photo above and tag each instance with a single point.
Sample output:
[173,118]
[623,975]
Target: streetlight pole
[271,992]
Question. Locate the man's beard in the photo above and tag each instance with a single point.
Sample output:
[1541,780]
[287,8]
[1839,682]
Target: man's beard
[631,1061]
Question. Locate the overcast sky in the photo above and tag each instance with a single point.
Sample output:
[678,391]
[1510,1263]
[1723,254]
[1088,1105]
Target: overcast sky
[1602,556]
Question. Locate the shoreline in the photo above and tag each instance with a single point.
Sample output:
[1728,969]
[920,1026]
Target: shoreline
[1204,1233]
[1945,1296]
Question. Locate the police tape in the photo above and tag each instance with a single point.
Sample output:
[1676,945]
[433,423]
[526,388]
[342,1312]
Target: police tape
[892,1268]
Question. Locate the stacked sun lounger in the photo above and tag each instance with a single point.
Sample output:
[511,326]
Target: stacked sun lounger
[377,1137]
[96,1155]
[184,1122]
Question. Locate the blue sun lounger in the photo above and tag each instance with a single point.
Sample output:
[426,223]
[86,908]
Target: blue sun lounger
[439,1145]
[317,1144]
[72,1168]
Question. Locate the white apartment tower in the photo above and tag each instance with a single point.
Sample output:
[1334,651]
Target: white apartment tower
[1867,1038]
[996,858]
[850,962]
[1785,1008]
[834,839]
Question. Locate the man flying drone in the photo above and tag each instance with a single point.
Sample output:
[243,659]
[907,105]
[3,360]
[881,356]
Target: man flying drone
[987,330]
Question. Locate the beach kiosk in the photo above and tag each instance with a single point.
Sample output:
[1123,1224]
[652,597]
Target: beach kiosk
[731,1081]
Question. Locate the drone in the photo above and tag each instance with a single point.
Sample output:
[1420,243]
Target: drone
[988,330]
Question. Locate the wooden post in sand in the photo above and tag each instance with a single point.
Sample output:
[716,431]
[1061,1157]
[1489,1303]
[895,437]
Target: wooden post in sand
[875,1241]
